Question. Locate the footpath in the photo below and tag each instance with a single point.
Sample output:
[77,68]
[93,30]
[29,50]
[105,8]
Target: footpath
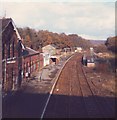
[43,80]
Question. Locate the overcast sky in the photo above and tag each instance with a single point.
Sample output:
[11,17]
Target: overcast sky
[91,20]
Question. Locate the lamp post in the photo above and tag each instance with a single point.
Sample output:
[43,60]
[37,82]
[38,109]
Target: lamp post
[40,46]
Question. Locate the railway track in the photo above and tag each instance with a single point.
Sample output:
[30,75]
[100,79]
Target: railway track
[96,91]
[74,96]
[95,106]
[53,87]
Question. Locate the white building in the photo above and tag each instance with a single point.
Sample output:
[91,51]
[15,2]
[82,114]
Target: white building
[48,51]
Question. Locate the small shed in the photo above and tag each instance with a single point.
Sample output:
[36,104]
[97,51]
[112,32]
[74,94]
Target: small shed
[48,51]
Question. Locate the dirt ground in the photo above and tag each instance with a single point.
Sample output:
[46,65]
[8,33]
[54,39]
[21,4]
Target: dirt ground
[102,74]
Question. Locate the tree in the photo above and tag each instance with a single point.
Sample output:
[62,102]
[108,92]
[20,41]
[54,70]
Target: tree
[27,41]
[100,48]
[111,44]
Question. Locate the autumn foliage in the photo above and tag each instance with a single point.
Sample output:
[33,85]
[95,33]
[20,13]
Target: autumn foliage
[37,39]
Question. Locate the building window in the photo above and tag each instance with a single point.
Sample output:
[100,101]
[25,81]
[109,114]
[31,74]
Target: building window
[3,51]
[8,51]
[13,48]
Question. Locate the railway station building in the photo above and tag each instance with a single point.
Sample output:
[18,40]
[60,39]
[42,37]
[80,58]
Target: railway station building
[17,60]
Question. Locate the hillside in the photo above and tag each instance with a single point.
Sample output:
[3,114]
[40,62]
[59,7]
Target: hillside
[37,39]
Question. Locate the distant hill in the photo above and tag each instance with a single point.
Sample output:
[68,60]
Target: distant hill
[97,42]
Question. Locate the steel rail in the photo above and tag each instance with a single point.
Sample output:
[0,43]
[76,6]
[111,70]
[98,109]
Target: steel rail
[93,93]
[53,87]
[88,85]
[98,91]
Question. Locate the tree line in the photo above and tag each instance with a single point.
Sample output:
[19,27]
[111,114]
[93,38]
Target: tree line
[37,39]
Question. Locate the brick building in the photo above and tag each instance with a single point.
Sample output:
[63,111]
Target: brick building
[11,55]
[17,60]
[31,61]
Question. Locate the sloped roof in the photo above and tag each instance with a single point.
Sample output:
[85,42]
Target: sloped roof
[51,45]
[54,46]
[5,22]
[29,51]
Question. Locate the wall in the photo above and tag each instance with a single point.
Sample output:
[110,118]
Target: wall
[9,54]
[31,64]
